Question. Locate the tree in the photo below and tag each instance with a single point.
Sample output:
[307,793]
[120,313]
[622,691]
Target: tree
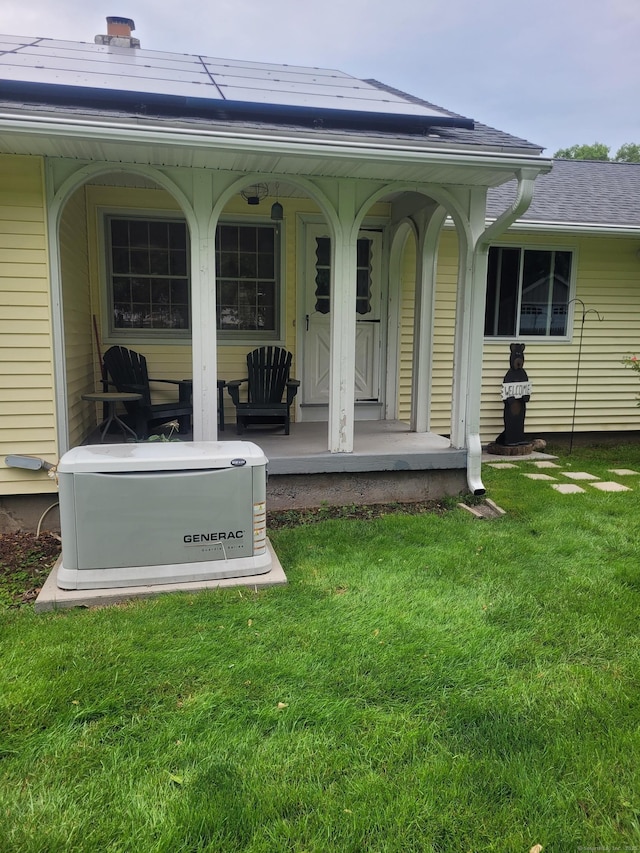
[627,153]
[597,151]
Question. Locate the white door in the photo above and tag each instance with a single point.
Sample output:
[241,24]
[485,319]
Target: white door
[317,317]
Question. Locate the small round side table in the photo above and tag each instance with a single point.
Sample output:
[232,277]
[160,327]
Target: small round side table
[112,398]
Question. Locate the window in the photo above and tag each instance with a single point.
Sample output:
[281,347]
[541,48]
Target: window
[247,264]
[323,275]
[149,280]
[148,268]
[528,292]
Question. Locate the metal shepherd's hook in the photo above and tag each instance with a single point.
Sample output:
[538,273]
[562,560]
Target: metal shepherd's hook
[585,311]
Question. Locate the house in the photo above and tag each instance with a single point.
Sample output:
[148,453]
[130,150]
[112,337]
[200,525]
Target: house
[195,208]
[587,213]
[584,224]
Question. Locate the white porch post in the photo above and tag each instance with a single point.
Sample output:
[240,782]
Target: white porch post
[469,331]
[426,264]
[343,326]
[203,301]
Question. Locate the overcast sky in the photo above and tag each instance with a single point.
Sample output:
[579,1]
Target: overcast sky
[556,72]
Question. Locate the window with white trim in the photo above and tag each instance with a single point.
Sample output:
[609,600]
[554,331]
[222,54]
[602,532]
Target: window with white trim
[149,280]
[247,272]
[528,292]
[148,273]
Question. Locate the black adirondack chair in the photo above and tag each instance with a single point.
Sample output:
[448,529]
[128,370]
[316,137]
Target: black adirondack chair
[128,372]
[270,389]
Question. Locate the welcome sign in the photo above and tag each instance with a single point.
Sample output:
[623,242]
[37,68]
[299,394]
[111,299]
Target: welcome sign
[516,389]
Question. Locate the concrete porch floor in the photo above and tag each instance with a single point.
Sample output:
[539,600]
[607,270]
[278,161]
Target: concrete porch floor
[378,446]
[389,463]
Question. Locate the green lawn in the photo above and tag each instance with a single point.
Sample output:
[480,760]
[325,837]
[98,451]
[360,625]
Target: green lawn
[424,683]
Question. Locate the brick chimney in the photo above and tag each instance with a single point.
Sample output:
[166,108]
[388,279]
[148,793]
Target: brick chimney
[119,33]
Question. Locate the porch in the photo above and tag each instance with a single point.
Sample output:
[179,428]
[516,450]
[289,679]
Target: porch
[389,463]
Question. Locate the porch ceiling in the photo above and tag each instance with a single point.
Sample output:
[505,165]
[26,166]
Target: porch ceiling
[260,150]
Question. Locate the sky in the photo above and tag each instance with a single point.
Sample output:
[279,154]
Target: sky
[555,72]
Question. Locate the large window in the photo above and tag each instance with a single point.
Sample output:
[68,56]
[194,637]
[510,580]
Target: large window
[247,264]
[528,292]
[149,280]
[149,274]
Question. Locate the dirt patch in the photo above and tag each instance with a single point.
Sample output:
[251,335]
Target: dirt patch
[25,563]
[295,517]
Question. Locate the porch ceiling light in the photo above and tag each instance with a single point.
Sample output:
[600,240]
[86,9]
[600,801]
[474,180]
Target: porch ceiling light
[255,193]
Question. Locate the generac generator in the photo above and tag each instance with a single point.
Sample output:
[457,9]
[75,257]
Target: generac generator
[163,512]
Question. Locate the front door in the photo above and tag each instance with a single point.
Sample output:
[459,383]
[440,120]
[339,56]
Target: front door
[317,318]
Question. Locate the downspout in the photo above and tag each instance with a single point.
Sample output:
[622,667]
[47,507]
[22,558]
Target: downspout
[526,185]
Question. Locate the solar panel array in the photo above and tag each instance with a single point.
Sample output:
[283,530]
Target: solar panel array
[105,68]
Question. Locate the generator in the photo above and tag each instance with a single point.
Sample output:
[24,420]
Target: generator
[162,512]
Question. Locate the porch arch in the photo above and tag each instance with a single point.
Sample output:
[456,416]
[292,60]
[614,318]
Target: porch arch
[246,179]
[58,197]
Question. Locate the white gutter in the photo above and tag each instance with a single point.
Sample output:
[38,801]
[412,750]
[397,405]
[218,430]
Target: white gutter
[260,142]
[586,228]
[526,183]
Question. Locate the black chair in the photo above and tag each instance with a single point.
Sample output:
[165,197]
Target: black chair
[128,372]
[270,389]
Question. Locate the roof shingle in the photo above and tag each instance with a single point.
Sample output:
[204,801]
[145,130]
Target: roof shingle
[579,191]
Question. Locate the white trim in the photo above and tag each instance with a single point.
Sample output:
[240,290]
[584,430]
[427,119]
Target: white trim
[249,140]
[57,311]
[585,228]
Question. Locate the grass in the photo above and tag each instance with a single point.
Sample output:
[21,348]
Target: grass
[424,683]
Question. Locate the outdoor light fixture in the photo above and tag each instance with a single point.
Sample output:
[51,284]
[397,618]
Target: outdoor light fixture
[255,193]
[277,213]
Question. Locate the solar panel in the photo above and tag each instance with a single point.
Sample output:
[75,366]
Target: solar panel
[201,83]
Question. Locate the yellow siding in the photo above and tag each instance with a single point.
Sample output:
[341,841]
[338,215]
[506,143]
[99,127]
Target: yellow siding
[27,408]
[444,329]
[78,329]
[444,322]
[407,311]
[607,281]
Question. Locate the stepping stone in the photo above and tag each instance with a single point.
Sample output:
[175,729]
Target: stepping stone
[567,488]
[538,476]
[545,464]
[622,472]
[610,487]
[502,465]
[579,475]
